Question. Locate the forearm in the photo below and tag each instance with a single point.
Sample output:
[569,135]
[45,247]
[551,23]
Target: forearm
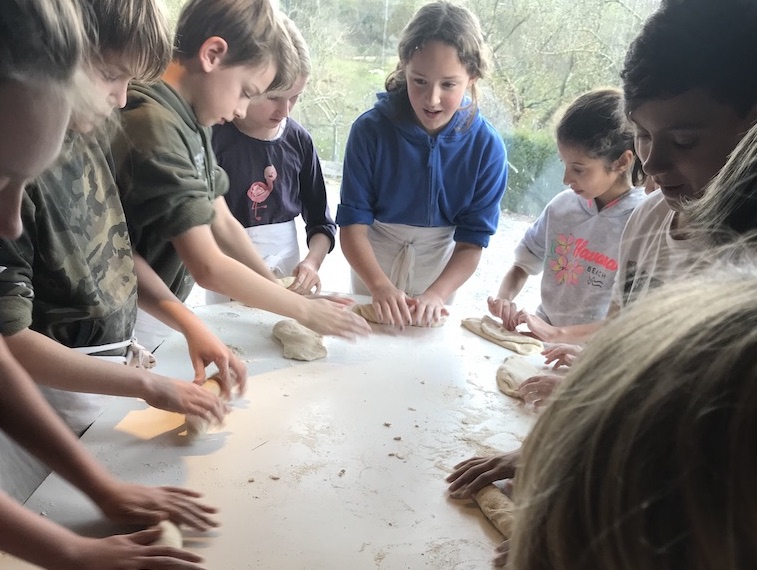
[458,270]
[512,283]
[576,334]
[27,418]
[33,538]
[52,364]
[234,241]
[318,248]
[359,254]
[157,299]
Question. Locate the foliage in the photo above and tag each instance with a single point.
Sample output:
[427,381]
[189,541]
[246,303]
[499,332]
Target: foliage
[529,155]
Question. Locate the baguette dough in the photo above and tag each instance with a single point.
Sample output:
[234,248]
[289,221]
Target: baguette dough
[497,507]
[170,535]
[368,312]
[298,341]
[488,328]
[512,373]
[286,281]
[198,425]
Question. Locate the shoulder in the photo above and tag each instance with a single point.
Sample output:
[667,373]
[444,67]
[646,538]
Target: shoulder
[148,121]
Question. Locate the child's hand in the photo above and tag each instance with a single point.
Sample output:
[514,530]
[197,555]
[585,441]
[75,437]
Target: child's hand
[538,327]
[128,552]
[141,505]
[331,318]
[561,355]
[501,554]
[392,306]
[184,398]
[204,348]
[537,389]
[428,309]
[305,279]
[477,472]
[505,310]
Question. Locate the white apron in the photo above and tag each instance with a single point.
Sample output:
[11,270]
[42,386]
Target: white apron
[412,257]
[277,245]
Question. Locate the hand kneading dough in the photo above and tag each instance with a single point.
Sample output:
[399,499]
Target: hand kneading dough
[488,328]
[197,425]
[497,507]
[368,312]
[512,373]
[170,535]
[299,342]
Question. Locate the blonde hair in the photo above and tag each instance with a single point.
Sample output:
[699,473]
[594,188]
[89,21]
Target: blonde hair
[647,456]
[248,26]
[300,46]
[728,209]
[41,40]
[136,30]
[450,24]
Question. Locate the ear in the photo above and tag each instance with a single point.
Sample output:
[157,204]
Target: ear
[472,82]
[624,161]
[211,53]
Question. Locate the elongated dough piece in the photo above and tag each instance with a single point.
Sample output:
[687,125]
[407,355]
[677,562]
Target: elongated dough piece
[497,507]
[170,535]
[368,312]
[286,281]
[512,373]
[298,341]
[198,425]
[488,328]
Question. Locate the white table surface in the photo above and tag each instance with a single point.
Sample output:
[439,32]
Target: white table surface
[306,470]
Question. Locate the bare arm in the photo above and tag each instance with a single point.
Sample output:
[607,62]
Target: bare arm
[204,347]
[572,334]
[234,241]
[214,270]
[52,364]
[390,303]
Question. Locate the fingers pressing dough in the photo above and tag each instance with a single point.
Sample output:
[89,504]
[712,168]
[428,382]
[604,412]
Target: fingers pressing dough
[491,330]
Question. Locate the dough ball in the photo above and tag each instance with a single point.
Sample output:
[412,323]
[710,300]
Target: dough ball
[512,373]
[170,535]
[298,341]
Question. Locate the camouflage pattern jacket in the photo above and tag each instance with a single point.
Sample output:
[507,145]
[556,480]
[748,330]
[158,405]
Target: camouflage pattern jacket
[71,276]
[168,177]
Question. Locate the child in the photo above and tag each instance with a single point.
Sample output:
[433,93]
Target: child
[268,144]
[687,122]
[70,284]
[225,53]
[41,42]
[575,240]
[646,456]
[424,173]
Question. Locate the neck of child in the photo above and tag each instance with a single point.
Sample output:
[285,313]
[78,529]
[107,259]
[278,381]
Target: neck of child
[179,78]
[621,186]
[257,132]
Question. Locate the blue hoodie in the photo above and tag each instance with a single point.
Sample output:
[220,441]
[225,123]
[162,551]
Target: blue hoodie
[395,172]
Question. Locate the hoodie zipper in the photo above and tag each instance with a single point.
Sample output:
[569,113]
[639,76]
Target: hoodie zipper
[432,180]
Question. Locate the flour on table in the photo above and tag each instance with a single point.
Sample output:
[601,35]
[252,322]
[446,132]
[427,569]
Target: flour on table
[368,312]
[512,373]
[491,330]
[298,341]
[497,507]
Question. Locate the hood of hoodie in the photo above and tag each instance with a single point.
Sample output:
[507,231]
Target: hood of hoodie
[392,106]
[164,95]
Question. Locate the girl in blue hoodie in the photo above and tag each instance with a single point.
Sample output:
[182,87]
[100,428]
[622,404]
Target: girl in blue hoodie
[424,173]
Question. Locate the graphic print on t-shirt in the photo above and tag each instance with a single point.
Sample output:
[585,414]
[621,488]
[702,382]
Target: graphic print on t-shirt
[568,254]
[259,191]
